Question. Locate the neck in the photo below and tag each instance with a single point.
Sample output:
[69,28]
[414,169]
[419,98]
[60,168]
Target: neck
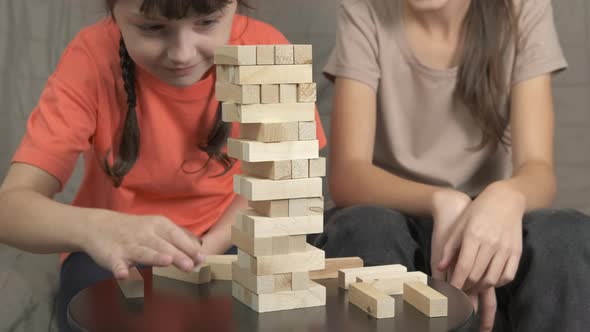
[445,22]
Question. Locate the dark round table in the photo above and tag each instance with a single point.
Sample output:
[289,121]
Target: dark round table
[175,306]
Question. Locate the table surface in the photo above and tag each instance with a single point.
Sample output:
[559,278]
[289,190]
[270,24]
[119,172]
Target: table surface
[175,306]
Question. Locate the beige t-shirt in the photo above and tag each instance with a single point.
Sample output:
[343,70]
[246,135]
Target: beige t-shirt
[422,132]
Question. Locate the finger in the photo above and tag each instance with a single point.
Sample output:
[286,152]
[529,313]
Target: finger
[179,258]
[450,252]
[474,299]
[151,257]
[509,270]
[120,269]
[481,263]
[493,273]
[184,241]
[465,262]
[488,310]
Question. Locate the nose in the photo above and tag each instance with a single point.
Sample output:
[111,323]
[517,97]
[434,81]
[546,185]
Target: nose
[182,49]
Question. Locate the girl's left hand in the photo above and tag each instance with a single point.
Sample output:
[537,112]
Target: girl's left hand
[488,249]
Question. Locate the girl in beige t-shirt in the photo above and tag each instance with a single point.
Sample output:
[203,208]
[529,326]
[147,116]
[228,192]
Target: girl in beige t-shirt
[442,154]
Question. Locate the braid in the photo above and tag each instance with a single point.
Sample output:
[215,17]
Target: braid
[129,146]
[217,139]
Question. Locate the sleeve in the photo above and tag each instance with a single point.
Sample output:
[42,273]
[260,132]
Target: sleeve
[64,121]
[355,55]
[538,50]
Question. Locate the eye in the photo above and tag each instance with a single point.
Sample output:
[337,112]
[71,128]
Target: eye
[151,27]
[207,23]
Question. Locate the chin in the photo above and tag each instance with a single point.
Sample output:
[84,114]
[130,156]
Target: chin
[428,5]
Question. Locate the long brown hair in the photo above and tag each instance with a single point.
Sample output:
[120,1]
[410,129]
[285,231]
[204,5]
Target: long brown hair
[482,85]
[128,151]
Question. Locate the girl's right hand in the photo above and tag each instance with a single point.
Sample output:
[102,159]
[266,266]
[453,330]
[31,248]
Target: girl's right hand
[118,241]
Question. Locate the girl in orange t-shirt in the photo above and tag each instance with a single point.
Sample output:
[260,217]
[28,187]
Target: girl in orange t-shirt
[134,94]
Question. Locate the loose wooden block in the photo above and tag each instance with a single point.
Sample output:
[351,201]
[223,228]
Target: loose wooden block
[313,296]
[133,286]
[240,94]
[270,93]
[393,283]
[311,259]
[221,266]
[307,131]
[317,167]
[288,93]
[303,54]
[262,189]
[200,275]
[272,170]
[268,113]
[284,55]
[299,207]
[270,132]
[424,298]
[261,284]
[372,301]
[256,225]
[268,74]
[257,151]
[335,264]
[306,93]
[300,169]
[265,54]
[260,246]
[348,276]
[235,55]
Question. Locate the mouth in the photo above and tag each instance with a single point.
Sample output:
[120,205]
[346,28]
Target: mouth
[181,71]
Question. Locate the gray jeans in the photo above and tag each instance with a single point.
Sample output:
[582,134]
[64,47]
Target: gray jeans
[551,291]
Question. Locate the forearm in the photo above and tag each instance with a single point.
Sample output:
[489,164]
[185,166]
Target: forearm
[536,182]
[218,240]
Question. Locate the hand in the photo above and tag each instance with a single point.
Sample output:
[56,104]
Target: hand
[447,207]
[117,241]
[488,310]
[487,250]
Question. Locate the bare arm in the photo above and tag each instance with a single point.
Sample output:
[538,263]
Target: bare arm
[218,240]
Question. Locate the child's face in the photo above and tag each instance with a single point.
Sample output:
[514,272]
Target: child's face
[179,52]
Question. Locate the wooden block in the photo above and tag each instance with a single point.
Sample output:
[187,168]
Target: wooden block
[306,93]
[221,266]
[300,169]
[270,93]
[335,264]
[284,55]
[311,259]
[271,209]
[272,170]
[270,132]
[133,286]
[317,167]
[288,93]
[372,301]
[257,151]
[306,206]
[269,74]
[260,246]
[424,298]
[240,94]
[300,280]
[243,55]
[307,130]
[223,74]
[313,296]
[268,113]
[200,275]
[265,54]
[393,283]
[348,276]
[303,54]
[255,189]
[260,284]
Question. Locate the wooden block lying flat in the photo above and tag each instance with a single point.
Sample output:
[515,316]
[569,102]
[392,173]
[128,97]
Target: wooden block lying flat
[303,54]
[257,151]
[133,286]
[265,54]
[300,280]
[393,283]
[311,259]
[348,276]
[272,170]
[262,284]
[306,93]
[240,94]
[307,131]
[313,296]
[288,93]
[284,55]
[270,93]
[424,298]
[270,132]
[256,225]
[262,189]
[200,275]
[289,208]
[372,301]
[335,264]
[317,167]
[244,55]
[268,113]
[300,169]
[221,266]
[268,74]
[261,246]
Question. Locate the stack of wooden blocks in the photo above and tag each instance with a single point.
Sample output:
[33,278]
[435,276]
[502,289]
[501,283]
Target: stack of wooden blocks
[269,90]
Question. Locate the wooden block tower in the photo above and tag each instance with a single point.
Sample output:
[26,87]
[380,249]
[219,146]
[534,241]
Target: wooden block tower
[269,90]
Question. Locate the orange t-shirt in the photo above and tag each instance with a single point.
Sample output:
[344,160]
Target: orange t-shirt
[82,110]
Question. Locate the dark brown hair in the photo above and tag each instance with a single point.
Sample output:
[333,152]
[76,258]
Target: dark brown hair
[482,85]
[128,151]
